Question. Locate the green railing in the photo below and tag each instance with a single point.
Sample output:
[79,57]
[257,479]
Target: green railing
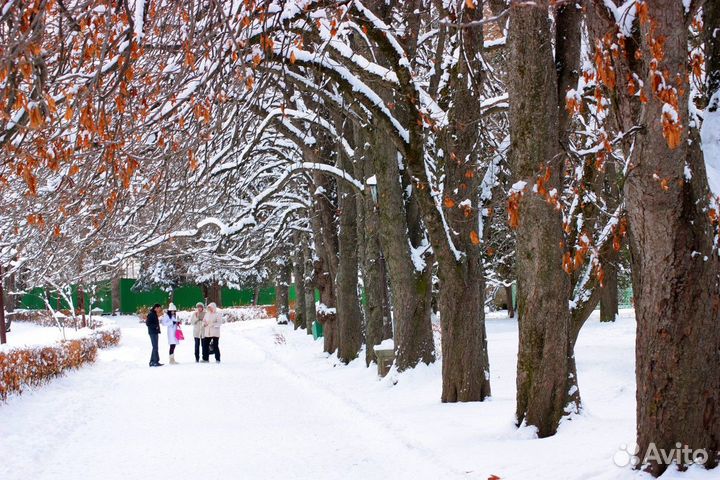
[184,297]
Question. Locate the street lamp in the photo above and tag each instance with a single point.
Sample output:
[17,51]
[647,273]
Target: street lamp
[372,185]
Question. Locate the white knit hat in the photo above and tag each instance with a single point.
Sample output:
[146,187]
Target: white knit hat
[172,307]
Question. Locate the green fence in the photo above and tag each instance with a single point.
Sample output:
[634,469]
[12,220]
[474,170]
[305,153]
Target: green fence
[186,296]
[102,298]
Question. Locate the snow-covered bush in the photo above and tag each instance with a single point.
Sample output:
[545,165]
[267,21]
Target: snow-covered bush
[34,366]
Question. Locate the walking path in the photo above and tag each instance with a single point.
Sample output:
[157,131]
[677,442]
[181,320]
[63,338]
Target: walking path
[248,417]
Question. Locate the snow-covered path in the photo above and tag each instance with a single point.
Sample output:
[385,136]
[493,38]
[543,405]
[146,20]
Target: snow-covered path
[249,417]
[279,408]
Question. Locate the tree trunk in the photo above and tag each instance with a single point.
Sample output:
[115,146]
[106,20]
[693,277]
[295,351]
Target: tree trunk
[3,333]
[325,267]
[410,286]
[675,269]
[368,239]
[348,308]
[256,295]
[307,278]
[461,295]
[299,274]
[282,286]
[544,356]
[81,304]
[609,293]
[387,318]
[509,300]
[115,295]
[711,20]
[212,293]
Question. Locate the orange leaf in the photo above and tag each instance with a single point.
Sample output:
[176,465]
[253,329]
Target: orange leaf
[293,58]
[474,238]
[470,4]
[449,202]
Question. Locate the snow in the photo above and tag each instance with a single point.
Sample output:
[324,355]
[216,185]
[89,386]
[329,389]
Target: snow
[277,406]
[387,344]
[518,186]
[710,136]
[624,15]
[26,334]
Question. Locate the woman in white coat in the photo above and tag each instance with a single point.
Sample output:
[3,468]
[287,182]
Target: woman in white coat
[172,322]
[212,321]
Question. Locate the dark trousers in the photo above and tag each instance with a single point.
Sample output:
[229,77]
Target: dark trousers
[197,349]
[206,347]
[172,349]
[155,355]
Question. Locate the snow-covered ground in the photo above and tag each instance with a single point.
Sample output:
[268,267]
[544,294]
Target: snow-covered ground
[278,408]
[26,334]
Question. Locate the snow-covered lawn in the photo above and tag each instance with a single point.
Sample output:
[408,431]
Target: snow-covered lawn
[26,334]
[278,408]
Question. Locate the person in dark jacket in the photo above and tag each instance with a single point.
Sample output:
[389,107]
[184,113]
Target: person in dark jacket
[153,325]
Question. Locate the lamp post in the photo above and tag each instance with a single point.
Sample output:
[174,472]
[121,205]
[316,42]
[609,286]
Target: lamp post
[372,185]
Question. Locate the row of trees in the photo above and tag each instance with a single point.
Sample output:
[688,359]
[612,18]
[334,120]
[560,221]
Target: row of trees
[415,150]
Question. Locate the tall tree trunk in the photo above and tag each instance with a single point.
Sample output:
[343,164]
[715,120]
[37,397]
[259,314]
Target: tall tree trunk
[348,307]
[461,295]
[307,278]
[282,291]
[10,300]
[256,295]
[387,315]
[212,293]
[299,274]
[115,295]
[509,300]
[3,333]
[674,265]
[368,238]
[609,294]
[410,285]
[81,305]
[544,356]
[325,266]
[711,20]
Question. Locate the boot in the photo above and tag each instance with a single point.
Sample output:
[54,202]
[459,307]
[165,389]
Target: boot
[172,360]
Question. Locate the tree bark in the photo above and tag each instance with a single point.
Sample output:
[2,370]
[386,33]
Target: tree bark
[3,333]
[544,355]
[609,294]
[282,286]
[299,274]
[675,268]
[410,287]
[711,20]
[348,307]
[461,295]
[81,305]
[310,316]
[115,295]
[368,237]
[509,300]
[325,266]
[212,293]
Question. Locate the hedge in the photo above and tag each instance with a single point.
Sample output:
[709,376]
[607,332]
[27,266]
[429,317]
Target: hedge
[21,368]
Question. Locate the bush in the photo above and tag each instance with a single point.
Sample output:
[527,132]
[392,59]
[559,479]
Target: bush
[107,337]
[34,366]
[242,314]
[45,319]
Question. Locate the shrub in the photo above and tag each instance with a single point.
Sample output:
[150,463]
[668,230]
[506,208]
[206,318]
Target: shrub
[34,366]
